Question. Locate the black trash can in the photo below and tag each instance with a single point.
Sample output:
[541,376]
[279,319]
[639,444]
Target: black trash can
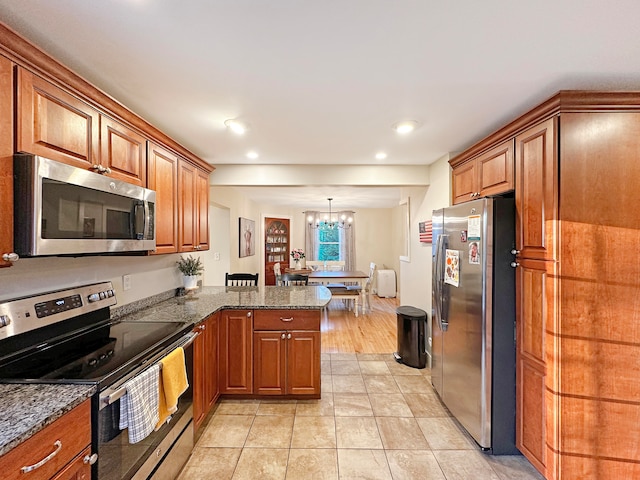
[411,337]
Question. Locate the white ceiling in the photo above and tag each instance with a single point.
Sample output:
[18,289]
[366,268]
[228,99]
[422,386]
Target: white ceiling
[323,82]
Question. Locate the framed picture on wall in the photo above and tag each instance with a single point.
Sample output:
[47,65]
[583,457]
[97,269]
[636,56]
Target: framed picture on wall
[247,237]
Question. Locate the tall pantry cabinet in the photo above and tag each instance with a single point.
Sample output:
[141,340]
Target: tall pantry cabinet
[577,167]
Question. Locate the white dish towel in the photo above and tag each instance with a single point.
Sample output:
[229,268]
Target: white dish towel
[139,406]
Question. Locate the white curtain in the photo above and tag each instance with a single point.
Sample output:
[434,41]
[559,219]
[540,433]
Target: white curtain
[310,237]
[348,242]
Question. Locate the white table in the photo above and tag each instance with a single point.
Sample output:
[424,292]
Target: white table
[356,276]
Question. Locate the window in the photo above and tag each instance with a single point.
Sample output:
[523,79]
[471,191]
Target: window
[328,243]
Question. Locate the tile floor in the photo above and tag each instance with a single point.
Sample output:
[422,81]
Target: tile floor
[377,419]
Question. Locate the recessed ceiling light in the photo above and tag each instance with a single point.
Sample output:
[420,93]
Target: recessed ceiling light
[252,154]
[381,156]
[406,126]
[236,126]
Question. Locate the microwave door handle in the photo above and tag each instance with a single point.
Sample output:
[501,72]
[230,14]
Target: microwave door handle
[138,235]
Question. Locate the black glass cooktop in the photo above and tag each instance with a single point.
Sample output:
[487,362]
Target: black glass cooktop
[92,356]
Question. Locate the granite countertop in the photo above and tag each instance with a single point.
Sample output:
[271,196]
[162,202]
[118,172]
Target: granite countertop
[28,408]
[207,300]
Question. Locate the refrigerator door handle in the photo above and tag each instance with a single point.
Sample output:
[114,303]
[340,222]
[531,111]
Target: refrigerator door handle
[444,322]
[438,282]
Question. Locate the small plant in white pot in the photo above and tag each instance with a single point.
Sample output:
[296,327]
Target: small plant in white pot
[190,267]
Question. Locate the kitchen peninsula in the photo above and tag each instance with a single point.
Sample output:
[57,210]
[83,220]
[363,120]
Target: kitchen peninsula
[241,327]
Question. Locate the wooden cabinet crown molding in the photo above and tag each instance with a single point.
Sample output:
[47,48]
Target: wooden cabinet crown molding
[24,53]
[563,101]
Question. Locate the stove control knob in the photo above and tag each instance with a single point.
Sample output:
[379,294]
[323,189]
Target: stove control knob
[4,320]
[103,295]
[94,297]
[92,362]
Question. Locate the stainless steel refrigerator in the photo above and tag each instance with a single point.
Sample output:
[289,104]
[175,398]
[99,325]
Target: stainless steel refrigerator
[473,318]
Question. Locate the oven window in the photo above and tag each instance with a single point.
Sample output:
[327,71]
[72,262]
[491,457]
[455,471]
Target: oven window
[75,212]
[117,458]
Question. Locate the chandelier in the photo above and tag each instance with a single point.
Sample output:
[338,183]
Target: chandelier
[328,220]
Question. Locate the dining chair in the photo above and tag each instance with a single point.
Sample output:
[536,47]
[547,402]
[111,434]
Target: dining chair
[365,292]
[315,265]
[334,265]
[291,279]
[240,279]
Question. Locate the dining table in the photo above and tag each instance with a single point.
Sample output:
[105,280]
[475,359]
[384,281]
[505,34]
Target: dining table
[327,277]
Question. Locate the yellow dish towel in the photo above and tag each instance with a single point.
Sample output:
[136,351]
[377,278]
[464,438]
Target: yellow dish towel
[173,383]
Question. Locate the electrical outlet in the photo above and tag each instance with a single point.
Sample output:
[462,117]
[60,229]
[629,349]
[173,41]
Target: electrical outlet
[216,256]
[126,282]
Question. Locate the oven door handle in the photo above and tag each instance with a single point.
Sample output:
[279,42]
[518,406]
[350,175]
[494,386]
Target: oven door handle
[114,396]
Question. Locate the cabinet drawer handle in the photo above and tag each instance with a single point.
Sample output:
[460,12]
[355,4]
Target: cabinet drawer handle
[290,319]
[57,444]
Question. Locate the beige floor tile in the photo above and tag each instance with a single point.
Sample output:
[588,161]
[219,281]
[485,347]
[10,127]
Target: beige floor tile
[413,384]
[374,357]
[513,467]
[426,405]
[463,464]
[444,434]
[314,432]
[374,368]
[389,405]
[380,384]
[343,357]
[226,431]
[277,407]
[348,383]
[363,465]
[352,405]
[414,465]
[203,461]
[313,464]
[270,432]
[325,365]
[238,407]
[345,368]
[320,407]
[325,356]
[326,384]
[262,463]
[357,432]
[401,433]
[400,369]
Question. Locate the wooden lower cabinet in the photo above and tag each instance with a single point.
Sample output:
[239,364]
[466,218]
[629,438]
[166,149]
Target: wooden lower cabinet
[205,371]
[78,469]
[69,436]
[286,361]
[236,352]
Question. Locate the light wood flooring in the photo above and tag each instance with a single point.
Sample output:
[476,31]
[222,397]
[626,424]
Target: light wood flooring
[373,332]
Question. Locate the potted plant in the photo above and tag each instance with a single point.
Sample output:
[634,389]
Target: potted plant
[190,267]
[297,254]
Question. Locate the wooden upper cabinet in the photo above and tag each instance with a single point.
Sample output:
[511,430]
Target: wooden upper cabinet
[6,159]
[490,173]
[193,208]
[54,124]
[163,178]
[202,211]
[537,191]
[123,151]
[186,206]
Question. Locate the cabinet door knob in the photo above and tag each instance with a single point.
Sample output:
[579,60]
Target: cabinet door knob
[282,336]
[10,257]
[515,252]
[288,336]
[90,459]
[248,314]
[515,264]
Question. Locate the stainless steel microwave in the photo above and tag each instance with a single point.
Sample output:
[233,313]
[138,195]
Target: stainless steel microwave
[65,210]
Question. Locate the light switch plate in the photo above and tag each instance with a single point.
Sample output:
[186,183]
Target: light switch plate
[216,256]
[126,282]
